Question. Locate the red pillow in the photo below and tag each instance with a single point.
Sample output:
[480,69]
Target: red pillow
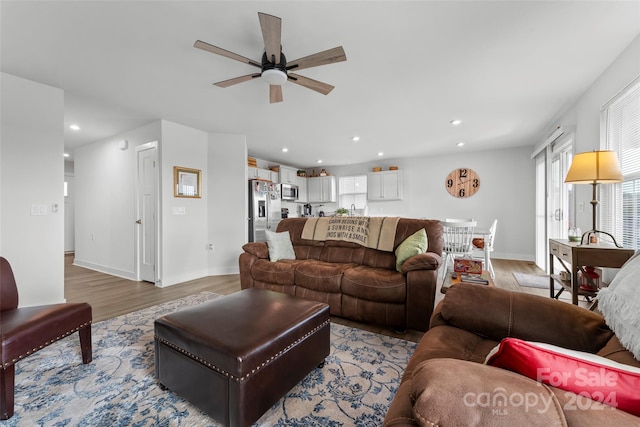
[585,374]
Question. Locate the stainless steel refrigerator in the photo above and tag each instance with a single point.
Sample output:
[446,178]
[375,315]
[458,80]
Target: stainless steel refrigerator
[264,209]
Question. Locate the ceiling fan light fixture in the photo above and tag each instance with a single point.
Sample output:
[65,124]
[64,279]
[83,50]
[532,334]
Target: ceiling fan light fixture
[274,77]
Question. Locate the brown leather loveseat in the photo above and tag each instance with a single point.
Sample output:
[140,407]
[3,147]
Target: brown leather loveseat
[359,283]
[446,382]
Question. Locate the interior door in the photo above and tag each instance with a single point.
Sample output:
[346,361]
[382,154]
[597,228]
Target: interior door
[147,205]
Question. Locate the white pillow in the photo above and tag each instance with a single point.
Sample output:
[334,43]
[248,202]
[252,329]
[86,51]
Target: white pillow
[280,246]
[620,305]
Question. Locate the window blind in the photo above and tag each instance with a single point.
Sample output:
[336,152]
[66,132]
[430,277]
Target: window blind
[620,203]
[353,191]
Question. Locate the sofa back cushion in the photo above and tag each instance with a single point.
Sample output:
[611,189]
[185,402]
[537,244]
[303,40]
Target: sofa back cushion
[525,316]
[304,249]
[339,251]
[406,227]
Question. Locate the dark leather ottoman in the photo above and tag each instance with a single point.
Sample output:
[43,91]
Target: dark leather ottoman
[236,356]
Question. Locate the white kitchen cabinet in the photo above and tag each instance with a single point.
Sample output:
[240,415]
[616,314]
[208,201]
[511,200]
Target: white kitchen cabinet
[288,175]
[301,182]
[258,173]
[321,189]
[384,185]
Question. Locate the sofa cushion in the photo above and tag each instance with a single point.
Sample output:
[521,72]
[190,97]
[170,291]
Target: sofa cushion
[616,351]
[320,276]
[587,374]
[553,321]
[280,246]
[449,392]
[413,245]
[281,272]
[374,284]
[339,251]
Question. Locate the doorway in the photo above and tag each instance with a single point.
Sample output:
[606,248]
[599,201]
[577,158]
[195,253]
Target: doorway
[147,230]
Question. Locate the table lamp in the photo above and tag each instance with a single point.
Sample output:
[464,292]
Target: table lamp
[595,167]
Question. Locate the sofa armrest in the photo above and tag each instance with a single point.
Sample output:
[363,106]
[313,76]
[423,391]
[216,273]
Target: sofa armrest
[426,261]
[524,316]
[451,392]
[258,249]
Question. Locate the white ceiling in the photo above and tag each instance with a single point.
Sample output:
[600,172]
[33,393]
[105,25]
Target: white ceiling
[506,68]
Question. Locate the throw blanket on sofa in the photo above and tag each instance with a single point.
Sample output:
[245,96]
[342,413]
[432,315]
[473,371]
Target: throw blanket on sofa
[372,232]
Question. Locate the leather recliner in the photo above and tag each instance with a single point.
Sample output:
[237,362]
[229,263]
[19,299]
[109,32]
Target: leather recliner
[25,330]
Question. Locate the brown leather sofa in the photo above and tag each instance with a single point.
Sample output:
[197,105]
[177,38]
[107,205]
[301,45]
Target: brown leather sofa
[357,282]
[447,384]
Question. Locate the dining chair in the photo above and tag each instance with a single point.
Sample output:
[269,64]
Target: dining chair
[484,250]
[25,330]
[457,235]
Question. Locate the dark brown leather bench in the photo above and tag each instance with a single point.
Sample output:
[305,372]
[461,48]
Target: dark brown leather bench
[236,356]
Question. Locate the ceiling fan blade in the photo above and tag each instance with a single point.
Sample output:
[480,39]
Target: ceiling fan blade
[329,56]
[219,51]
[323,88]
[271,33]
[236,80]
[275,94]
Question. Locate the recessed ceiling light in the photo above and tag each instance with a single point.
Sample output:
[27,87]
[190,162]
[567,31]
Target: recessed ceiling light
[455,122]
[74,127]
[355,138]
[380,153]
[319,161]
[460,144]
[285,149]
[67,154]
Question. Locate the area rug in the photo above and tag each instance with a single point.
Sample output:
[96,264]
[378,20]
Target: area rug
[118,388]
[535,281]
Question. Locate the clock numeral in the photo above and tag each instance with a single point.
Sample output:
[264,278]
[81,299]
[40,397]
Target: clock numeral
[476,183]
[461,192]
[449,183]
[463,173]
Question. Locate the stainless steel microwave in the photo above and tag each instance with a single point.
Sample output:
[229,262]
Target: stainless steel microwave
[289,192]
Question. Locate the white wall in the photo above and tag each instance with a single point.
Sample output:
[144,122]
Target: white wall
[506,193]
[585,115]
[227,201]
[32,172]
[105,178]
[184,237]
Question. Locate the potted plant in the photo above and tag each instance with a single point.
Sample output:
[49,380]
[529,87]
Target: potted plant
[342,212]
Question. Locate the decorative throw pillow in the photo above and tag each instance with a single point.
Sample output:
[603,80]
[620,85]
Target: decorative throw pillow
[620,305]
[280,246]
[413,245]
[588,375]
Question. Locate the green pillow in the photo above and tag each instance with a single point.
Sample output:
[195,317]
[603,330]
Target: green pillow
[280,246]
[412,245]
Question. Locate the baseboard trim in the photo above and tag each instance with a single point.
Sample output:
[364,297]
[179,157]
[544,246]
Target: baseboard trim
[106,270]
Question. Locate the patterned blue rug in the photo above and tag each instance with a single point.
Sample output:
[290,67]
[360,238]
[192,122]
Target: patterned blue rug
[118,388]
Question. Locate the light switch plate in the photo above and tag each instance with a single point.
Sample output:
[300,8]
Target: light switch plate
[179,211]
[37,210]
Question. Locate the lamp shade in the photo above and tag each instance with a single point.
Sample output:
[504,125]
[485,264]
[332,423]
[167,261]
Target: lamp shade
[594,167]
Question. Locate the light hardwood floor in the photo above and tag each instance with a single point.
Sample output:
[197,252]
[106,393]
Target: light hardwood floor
[112,296]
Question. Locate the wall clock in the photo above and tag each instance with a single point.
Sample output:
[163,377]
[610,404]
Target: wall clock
[462,182]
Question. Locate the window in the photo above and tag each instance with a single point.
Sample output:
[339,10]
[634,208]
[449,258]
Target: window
[620,119]
[353,191]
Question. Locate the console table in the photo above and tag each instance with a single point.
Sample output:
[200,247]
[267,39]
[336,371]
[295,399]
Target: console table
[578,256]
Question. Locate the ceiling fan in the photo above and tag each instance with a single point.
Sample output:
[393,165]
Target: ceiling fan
[274,66]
